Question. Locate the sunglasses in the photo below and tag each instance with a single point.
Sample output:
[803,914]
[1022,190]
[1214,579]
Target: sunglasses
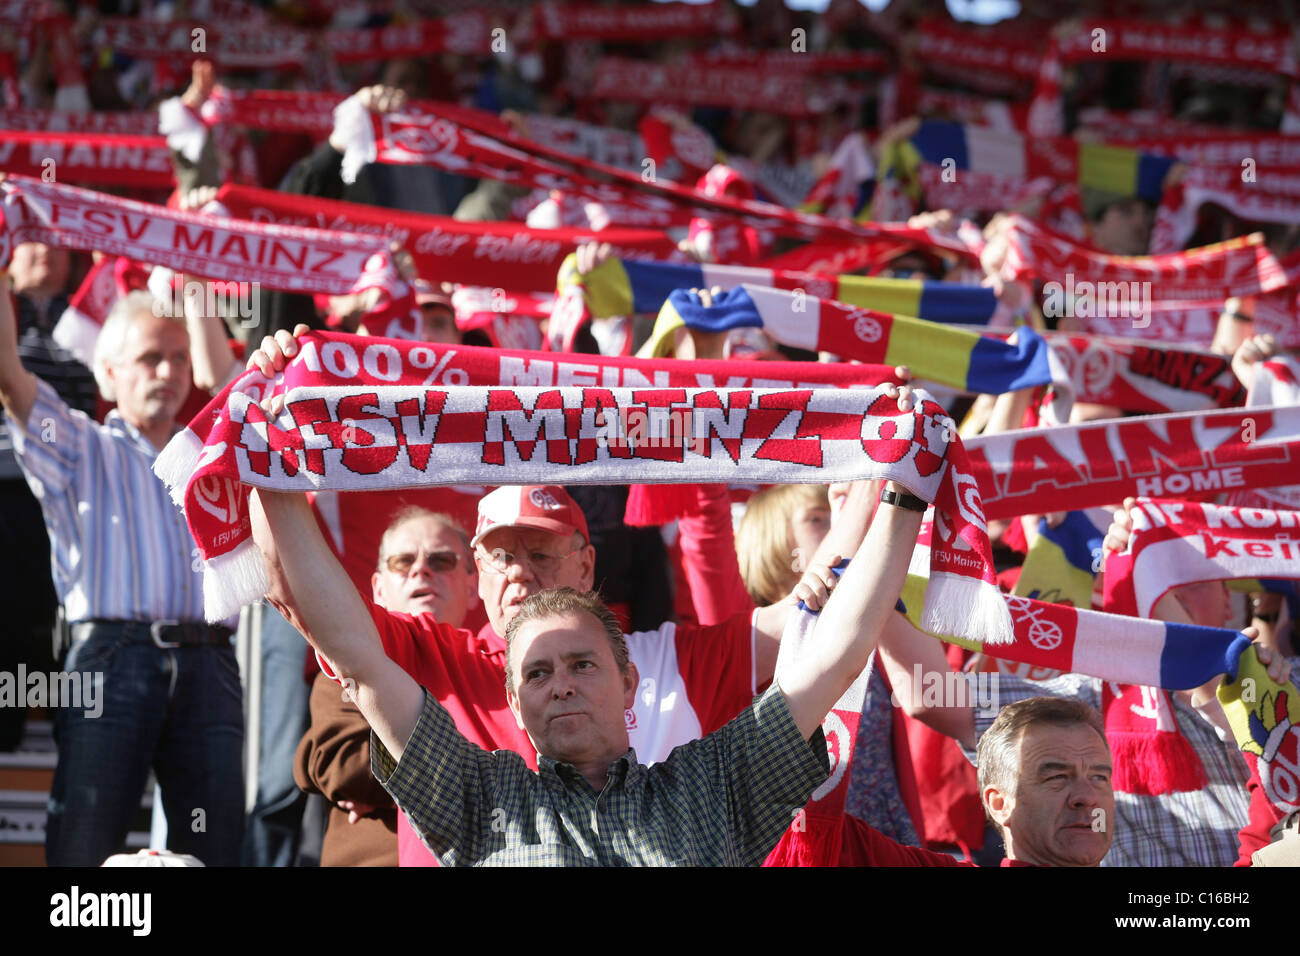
[439,562]
[542,562]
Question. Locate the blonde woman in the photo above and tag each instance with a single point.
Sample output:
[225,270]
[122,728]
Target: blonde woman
[781,529]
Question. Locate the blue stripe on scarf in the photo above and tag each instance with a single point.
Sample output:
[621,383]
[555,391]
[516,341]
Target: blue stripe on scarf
[1192,655]
[653,282]
[731,309]
[997,367]
[956,304]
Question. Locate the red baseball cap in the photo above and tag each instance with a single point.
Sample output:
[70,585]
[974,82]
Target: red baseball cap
[543,507]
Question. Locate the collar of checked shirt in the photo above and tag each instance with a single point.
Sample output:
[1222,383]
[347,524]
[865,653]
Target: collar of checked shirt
[625,772]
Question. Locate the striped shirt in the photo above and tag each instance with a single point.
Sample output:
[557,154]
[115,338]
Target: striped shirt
[723,800]
[1187,828]
[119,546]
[47,360]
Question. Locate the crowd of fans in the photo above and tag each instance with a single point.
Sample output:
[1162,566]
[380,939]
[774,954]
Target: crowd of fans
[456,583]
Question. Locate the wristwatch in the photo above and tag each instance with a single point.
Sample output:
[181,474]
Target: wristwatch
[903,500]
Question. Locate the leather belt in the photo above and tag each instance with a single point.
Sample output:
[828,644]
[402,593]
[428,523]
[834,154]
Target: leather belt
[164,634]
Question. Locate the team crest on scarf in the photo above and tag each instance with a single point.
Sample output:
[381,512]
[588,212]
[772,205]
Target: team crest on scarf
[1275,740]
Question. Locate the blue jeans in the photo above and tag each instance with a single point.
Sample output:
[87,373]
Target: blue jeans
[275,822]
[179,710]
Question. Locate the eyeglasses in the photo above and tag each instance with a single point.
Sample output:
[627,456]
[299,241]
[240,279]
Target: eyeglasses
[542,562]
[439,562]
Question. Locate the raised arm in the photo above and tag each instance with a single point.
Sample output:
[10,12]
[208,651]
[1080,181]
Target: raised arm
[332,615]
[853,617]
[709,557]
[17,385]
[310,587]
[844,539]
[904,651]
[213,362]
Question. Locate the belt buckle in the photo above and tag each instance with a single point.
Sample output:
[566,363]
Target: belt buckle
[155,628]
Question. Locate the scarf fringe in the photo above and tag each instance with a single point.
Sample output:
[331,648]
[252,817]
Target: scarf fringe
[232,580]
[177,462]
[818,844]
[1151,765]
[77,332]
[185,132]
[352,125]
[966,606]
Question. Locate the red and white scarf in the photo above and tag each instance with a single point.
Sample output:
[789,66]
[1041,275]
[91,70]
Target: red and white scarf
[616,147]
[231,45]
[1221,148]
[939,40]
[1132,39]
[1207,46]
[95,159]
[1185,542]
[1145,376]
[1151,756]
[108,280]
[1208,274]
[496,255]
[681,149]
[137,123]
[279,257]
[1275,382]
[1175,543]
[698,83]
[461,145]
[792,61]
[370,414]
[1195,454]
[1272,197]
[633,22]
[467,32]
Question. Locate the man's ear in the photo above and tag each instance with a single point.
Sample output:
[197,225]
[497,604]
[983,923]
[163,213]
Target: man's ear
[588,566]
[999,804]
[513,700]
[110,373]
[376,590]
[631,681]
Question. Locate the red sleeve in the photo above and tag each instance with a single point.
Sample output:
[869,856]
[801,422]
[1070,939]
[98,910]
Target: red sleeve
[1014,537]
[464,676]
[717,667]
[864,846]
[709,557]
[1263,816]
[422,647]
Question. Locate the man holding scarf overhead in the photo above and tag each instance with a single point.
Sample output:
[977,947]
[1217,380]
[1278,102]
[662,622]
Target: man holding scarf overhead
[722,800]
[569,684]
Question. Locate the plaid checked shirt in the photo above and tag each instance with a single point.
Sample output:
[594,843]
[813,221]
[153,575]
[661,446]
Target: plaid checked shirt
[1191,828]
[723,800]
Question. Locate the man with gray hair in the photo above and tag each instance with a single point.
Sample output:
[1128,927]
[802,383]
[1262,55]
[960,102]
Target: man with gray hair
[124,567]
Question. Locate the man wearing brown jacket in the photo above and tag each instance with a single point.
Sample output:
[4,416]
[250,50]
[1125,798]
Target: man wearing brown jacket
[425,565]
